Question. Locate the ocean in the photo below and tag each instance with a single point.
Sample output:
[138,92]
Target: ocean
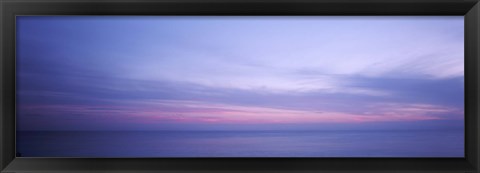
[346,143]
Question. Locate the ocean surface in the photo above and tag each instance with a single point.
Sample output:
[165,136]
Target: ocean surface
[395,143]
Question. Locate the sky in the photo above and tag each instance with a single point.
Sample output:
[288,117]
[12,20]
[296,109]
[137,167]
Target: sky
[239,73]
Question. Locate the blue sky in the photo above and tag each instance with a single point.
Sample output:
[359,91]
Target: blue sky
[172,72]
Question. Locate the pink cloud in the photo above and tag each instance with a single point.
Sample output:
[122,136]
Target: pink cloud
[155,111]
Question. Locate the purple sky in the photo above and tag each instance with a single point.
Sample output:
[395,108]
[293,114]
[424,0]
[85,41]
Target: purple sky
[171,73]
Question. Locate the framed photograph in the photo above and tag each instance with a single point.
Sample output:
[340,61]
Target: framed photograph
[239,86]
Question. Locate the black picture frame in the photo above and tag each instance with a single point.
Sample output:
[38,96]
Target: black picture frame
[11,8]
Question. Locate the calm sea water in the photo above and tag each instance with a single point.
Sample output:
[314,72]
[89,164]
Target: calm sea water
[427,143]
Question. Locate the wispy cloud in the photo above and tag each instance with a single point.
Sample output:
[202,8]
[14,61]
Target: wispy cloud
[240,69]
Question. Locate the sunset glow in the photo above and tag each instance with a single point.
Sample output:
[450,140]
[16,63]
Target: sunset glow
[184,72]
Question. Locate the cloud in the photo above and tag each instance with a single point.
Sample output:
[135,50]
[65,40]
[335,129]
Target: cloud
[447,93]
[239,70]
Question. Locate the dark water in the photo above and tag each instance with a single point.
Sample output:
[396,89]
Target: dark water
[242,144]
